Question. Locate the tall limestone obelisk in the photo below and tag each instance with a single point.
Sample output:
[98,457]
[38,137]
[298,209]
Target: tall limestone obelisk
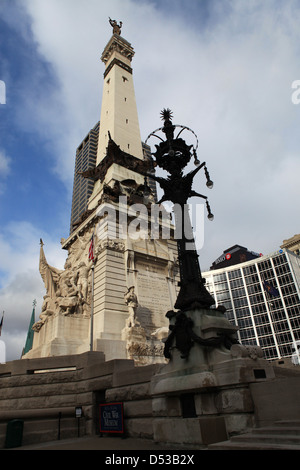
[117,301]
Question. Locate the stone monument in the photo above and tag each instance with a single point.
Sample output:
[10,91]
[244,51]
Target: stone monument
[116,251]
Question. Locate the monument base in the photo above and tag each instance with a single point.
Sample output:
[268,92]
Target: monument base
[208,387]
[70,334]
[61,335]
[142,349]
[112,348]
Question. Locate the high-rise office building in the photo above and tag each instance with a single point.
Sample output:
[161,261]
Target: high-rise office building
[262,297]
[86,155]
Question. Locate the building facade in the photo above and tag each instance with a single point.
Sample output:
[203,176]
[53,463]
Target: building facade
[86,156]
[262,297]
[292,244]
[234,255]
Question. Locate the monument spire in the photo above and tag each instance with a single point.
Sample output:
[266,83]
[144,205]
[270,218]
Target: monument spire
[119,117]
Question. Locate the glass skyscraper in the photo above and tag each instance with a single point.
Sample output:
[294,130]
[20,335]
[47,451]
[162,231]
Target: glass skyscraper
[262,297]
[86,155]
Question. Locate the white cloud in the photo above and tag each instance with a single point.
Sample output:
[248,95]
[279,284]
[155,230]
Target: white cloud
[20,280]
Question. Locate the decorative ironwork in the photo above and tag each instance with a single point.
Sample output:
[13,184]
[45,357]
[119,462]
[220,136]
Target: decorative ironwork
[185,338]
[173,155]
[115,155]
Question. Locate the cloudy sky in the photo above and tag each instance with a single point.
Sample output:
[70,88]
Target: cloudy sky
[224,67]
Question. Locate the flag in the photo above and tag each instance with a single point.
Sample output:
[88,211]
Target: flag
[1,323]
[91,249]
[30,333]
[270,289]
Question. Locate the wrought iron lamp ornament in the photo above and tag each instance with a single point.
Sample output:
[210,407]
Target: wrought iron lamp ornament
[209,182]
[210,215]
[173,155]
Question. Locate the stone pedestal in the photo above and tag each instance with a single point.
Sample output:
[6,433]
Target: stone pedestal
[144,350]
[112,348]
[202,395]
[61,335]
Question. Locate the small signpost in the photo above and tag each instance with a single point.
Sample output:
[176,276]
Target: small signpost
[111,418]
[78,415]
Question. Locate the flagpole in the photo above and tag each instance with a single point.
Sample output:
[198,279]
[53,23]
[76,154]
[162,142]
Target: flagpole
[92,309]
[1,322]
[92,258]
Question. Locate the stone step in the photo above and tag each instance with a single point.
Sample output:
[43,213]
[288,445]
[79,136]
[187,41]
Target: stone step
[283,435]
[288,423]
[229,445]
[270,438]
[278,430]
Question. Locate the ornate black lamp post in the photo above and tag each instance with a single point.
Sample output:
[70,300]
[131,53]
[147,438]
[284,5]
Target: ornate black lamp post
[173,155]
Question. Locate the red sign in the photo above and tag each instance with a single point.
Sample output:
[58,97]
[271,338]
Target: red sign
[228,256]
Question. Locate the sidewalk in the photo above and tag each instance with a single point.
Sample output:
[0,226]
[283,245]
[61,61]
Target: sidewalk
[102,443]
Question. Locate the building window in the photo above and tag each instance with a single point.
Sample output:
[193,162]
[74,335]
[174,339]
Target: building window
[279,260]
[236,283]
[261,319]
[220,277]
[238,293]
[249,270]
[252,279]
[234,274]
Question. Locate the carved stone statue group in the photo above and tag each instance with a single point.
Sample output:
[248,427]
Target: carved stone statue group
[68,291]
